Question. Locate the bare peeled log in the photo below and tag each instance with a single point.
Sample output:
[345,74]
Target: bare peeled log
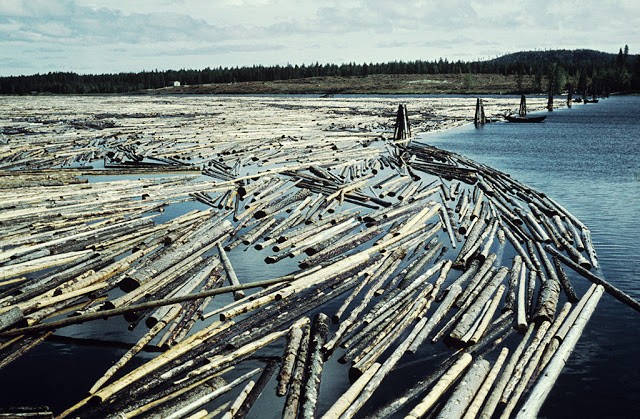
[231,274]
[550,374]
[441,387]
[465,391]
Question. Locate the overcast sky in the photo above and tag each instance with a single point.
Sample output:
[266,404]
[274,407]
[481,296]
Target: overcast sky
[96,36]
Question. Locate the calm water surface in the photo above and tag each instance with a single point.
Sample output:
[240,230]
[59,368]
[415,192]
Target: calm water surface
[588,159]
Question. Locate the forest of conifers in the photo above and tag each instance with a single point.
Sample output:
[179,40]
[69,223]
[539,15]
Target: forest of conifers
[586,70]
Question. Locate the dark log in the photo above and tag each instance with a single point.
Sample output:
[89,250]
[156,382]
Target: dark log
[294,337]
[609,288]
[313,368]
[257,390]
[10,317]
[292,402]
[510,300]
[564,281]
[136,307]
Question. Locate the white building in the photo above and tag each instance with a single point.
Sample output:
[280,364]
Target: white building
[176,83]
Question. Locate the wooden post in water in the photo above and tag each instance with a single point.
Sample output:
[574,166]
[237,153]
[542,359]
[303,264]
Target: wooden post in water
[522,111]
[550,100]
[402,130]
[569,95]
[479,118]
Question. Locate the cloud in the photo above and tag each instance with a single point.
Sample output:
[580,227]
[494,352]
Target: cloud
[125,35]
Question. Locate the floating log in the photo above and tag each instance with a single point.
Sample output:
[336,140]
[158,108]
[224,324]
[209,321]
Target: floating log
[522,362]
[10,317]
[211,396]
[257,390]
[541,389]
[136,307]
[464,393]
[473,312]
[292,402]
[231,274]
[160,324]
[294,338]
[483,321]
[586,239]
[313,368]
[501,383]
[441,387]
[533,362]
[479,398]
[239,401]
[382,372]
[348,397]
[564,281]
[610,289]
[435,318]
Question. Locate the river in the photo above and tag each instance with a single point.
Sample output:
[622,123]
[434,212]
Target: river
[588,159]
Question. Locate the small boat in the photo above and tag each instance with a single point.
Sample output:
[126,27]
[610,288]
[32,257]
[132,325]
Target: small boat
[522,114]
[511,118]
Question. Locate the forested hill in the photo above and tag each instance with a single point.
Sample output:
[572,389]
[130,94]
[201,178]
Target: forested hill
[571,59]
[583,69]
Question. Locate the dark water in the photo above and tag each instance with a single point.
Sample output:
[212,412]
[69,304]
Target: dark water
[588,159]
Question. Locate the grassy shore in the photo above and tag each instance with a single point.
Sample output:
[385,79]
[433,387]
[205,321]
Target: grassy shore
[372,84]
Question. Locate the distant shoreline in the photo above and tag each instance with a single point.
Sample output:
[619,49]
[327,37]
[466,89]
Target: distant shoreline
[372,84]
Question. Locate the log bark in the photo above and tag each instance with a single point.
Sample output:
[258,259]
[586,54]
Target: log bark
[512,290]
[591,250]
[292,402]
[294,338]
[548,301]
[10,317]
[565,282]
[313,369]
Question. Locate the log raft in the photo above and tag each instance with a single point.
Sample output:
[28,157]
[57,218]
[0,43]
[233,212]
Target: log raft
[337,214]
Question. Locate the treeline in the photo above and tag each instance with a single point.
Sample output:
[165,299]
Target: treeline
[584,69]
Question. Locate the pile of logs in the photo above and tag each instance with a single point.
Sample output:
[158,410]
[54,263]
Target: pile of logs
[368,255]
